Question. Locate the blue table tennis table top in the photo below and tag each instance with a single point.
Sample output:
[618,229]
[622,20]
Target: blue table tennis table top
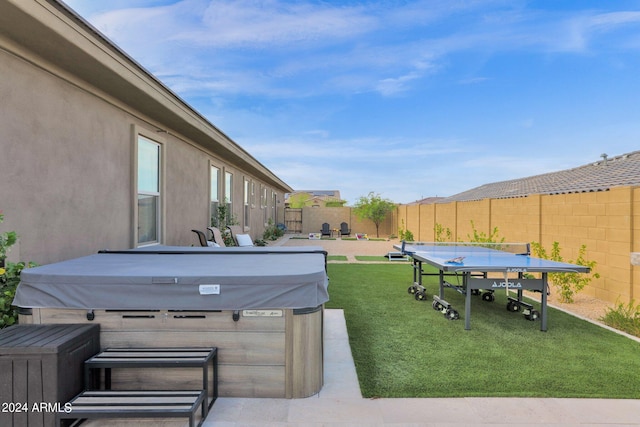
[467,257]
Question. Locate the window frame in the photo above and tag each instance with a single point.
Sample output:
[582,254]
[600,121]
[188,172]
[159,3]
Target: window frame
[264,203]
[159,193]
[214,202]
[247,200]
[274,208]
[228,193]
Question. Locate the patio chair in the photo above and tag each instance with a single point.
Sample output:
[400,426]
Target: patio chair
[326,230]
[344,229]
[202,238]
[235,230]
[217,236]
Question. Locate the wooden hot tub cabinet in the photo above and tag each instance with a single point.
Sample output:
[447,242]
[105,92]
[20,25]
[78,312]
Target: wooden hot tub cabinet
[264,353]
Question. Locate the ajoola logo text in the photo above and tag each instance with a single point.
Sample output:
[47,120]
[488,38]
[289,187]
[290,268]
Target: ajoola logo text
[504,285]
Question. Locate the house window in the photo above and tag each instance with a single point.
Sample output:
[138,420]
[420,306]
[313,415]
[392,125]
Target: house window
[215,198]
[263,206]
[149,202]
[253,194]
[228,195]
[274,201]
[247,207]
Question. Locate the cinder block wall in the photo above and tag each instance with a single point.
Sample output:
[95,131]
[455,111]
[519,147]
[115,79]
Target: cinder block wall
[314,217]
[606,222]
[635,235]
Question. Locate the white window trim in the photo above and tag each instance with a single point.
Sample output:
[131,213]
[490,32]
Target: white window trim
[152,136]
[247,203]
[228,190]
[220,185]
[274,207]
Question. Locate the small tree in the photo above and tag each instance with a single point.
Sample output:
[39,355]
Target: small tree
[299,200]
[374,208]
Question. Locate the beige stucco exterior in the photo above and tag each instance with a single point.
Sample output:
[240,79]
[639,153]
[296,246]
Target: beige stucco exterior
[72,107]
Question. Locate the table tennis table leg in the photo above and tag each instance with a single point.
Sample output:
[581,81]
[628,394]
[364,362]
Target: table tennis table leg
[467,302]
[543,304]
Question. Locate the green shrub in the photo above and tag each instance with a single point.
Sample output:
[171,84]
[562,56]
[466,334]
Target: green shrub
[7,239]
[624,317]
[221,219]
[405,234]
[482,237]
[272,232]
[442,234]
[9,278]
[568,284]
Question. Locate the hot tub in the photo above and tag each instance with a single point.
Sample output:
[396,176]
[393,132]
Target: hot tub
[261,307]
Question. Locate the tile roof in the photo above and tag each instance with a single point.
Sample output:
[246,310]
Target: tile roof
[331,193]
[426,201]
[623,170]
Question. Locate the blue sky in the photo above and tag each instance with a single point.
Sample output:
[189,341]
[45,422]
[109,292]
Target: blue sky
[408,99]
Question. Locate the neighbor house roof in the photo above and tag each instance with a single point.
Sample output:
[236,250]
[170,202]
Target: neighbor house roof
[623,170]
[326,193]
[426,201]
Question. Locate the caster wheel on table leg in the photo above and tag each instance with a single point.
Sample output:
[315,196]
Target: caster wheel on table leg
[420,296]
[451,314]
[533,315]
[488,296]
[513,306]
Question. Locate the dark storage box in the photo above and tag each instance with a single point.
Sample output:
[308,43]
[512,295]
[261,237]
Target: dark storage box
[41,368]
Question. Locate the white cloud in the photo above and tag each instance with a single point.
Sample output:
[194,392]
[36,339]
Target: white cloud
[254,23]
[391,86]
[300,49]
[613,20]
[258,67]
[473,80]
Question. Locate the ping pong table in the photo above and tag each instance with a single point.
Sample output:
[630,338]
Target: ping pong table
[472,264]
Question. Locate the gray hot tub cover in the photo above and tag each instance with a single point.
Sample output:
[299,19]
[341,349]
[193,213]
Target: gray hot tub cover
[179,279]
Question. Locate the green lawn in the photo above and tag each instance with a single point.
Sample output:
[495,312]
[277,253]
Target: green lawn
[376,258]
[371,258]
[404,348]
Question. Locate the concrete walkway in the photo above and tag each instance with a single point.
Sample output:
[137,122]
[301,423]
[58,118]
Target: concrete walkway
[340,404]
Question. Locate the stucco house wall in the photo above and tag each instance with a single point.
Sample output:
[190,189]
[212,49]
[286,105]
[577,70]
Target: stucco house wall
[73,106]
